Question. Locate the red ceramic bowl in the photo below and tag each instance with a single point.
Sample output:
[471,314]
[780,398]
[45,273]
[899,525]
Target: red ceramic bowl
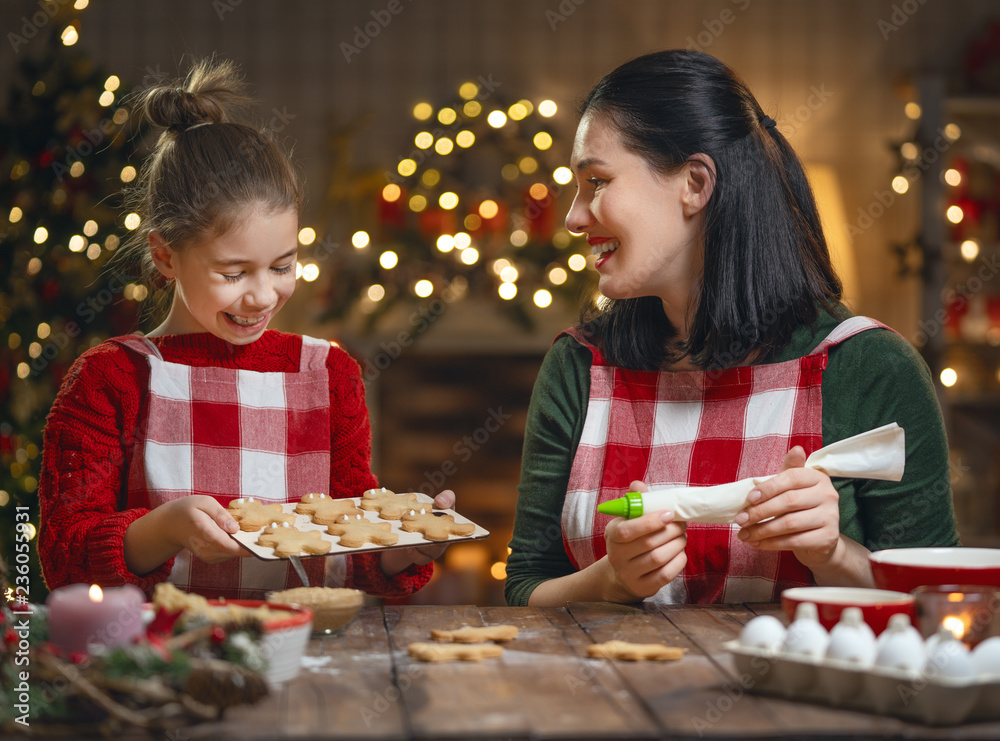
[905,569]
[877,605]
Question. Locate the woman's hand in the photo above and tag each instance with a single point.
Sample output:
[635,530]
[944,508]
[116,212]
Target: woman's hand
[396,560]
[202,525]
[805,508]
[644,554]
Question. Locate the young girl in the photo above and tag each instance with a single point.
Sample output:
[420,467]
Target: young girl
[723,353]
[151,437]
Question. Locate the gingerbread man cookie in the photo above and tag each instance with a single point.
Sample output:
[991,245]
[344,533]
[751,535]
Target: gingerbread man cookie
[388,504]
[355,531]
[252,515]
[324,510]
[470,634]
[454,651]
[435,527]
[290,541]
[634,651]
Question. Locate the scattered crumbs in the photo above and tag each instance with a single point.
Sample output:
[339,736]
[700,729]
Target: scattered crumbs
[316,664]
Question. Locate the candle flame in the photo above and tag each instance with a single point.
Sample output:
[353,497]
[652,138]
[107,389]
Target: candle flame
[955,625]
[955,596]
[96,595]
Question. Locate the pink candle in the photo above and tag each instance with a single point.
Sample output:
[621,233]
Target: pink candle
[82,615]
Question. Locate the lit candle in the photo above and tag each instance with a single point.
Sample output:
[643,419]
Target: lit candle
[82,615]
[967,611]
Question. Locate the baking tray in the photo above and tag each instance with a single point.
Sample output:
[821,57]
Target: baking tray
[920,697]
[406,540]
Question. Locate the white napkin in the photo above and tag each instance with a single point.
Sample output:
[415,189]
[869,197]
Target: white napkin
[876,454]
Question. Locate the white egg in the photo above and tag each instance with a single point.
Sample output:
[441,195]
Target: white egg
[949,658]
[764,632]
[851,639]
[987,657]
[805,636]
[900,646]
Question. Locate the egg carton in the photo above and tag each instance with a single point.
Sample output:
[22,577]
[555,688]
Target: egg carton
[923,697]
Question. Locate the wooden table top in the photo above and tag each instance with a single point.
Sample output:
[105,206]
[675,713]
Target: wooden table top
[364,685]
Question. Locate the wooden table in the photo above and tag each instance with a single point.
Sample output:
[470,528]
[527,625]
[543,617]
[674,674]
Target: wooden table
[364,685]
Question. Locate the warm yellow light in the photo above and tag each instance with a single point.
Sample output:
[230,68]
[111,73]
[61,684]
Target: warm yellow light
[81,4]
[76,169]
[468,90]
[418,203]
[970,250]
[310,272]
[539,191]
[127,174]
[444,145]
[360,239]
[121,116]
[562,239]
[909,150]
[43,330]
[96,595]
[423,111]
[510,171]
[912,110]
[952,176]
[469,255]
[499,571]
[445,243]
[90,227]
[472,222]
[376,292]
[949,377]
[34,350]
[542,298]
[499,264]
[430,178]
[388,259]
[424,139]
[447,116]
[448,200]
[507,291]
[94,251]
[111,242]
[519,238]
[112,83]
[41,234]
[557,276]
[465,139]
[527,165]
[577,263]
[562,175]
[307,235]
[496,119]
[391,193]
[69,36]
[472,109]
[517,112]
[15,215]
[423,288]
[34,265]
[508,274]
[900,184]
[77,243]
[106,98]
[132,222]
[23,370]
[488,209]
[955,624]
[462,240]
[955,214]
[141,293]
[952,132]
[547,108]
[542,140]
[406,167]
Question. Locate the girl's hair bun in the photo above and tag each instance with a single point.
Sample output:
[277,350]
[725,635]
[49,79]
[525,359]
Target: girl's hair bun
[212,92]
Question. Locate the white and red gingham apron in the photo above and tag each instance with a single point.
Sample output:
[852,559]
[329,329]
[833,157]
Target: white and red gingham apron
[697,428]
[232,433]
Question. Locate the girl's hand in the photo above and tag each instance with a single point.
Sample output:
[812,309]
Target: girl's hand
[805,508]
[200,524]
[396,560]
[644,554]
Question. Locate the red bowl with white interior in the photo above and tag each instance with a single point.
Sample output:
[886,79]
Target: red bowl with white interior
[905,569]
[284,636]
[877,605]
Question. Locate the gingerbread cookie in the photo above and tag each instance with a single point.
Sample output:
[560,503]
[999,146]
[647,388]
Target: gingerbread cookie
[470,634]
[290,541]
[434,527]
[634,651]
[355,531]
[252,515]
[454,651]
[324,510]
[388,504]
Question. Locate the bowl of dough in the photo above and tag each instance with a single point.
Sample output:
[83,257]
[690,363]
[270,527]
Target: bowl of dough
[333,609]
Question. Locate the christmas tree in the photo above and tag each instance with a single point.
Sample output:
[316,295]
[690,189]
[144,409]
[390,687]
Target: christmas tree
[64,143]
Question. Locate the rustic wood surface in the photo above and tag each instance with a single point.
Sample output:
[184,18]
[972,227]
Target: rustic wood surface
[364,685]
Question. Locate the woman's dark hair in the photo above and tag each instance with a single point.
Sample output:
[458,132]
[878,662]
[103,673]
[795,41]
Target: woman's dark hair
[767,267]
[207,169]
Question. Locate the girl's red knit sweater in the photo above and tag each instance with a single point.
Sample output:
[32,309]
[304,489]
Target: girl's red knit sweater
[88,447]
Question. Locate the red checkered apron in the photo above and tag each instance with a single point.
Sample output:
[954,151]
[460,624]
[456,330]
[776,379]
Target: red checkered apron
[695,428]
[232,433]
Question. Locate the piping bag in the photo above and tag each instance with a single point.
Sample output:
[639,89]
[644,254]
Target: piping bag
[876,454]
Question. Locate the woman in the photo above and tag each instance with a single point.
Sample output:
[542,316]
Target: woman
[721,352]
